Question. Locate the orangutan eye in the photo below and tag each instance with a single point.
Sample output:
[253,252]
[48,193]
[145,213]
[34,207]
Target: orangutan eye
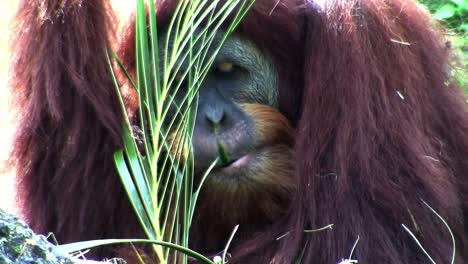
[225,67]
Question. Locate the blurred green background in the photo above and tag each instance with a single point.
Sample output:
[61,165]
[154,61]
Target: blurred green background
[453,14]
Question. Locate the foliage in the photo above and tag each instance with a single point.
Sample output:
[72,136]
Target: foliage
[158,176]
[454,15]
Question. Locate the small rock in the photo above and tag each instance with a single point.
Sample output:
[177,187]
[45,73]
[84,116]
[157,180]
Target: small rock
[19,244]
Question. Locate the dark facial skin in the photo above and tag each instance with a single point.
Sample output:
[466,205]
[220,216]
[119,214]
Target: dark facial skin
[239,125]
[240,74]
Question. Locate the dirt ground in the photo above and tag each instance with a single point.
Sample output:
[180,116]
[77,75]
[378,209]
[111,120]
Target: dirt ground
[7,9]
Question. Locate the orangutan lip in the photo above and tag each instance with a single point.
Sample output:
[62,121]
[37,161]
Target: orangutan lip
[239,163]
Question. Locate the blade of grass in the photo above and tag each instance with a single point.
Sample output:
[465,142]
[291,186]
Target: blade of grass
[78,246]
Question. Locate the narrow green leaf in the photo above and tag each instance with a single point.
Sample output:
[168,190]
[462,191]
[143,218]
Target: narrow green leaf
[132,192]
[80,246]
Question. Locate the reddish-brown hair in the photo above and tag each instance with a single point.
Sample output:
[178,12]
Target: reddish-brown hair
[380,128]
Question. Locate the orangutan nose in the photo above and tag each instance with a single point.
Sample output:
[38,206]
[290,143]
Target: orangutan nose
[214,114]
[222,131]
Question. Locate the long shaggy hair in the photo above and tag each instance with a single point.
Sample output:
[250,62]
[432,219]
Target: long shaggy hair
[379,127]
